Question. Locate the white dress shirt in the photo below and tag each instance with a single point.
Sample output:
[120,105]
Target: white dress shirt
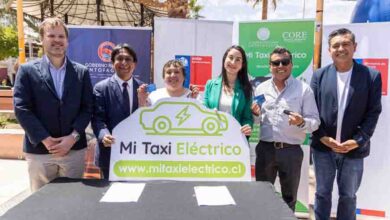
[298,97]
[58,76]
[130,84]
[343,80]
[129,88]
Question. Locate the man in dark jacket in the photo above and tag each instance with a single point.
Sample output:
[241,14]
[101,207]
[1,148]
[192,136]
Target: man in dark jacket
[348,97]
[53,104]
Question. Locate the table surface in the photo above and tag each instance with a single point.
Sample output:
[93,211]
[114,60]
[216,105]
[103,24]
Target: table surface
[79,199]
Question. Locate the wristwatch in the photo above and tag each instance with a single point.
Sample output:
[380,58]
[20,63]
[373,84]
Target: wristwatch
[75,135]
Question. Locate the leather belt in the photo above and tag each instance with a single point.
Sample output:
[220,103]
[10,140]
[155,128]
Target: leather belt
[280,145]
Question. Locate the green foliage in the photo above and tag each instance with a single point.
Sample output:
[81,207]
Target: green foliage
[195,9]
[256,2]
[5,120]
[8,42]
[10,16]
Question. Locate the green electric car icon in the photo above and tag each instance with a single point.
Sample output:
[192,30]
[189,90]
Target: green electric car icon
[185,120]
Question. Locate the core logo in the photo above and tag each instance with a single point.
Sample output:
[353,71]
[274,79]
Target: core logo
[104,51]
[295,36]
[263,34]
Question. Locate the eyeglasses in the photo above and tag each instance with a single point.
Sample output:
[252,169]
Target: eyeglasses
[284,62]
[126,59]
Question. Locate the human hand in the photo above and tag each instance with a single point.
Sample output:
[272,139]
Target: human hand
[256,109]
[246,130]
[49,142]
[108,140]
[142,95]
[294,118]
[348,145]
[64,145]
[332,144]
[194,91]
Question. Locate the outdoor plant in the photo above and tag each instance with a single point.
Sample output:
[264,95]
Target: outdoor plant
[4,120]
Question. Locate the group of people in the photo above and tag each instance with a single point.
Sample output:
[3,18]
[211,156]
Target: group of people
[54,102]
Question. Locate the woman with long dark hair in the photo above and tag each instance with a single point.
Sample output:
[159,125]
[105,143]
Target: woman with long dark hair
[231,92]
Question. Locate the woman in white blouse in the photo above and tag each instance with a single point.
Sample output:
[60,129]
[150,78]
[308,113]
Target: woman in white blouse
[174,76]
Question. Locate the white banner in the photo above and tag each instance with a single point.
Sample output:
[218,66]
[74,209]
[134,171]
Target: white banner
[373,49]
[199,41]
[179,139]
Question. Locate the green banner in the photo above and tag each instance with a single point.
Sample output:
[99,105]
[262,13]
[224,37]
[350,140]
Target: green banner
[260,38]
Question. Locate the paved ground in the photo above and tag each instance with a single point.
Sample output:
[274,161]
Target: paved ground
[14,183]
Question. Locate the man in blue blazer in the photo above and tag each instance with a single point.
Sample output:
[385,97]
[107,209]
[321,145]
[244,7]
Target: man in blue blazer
[115,99]
[348,97]
[53,104]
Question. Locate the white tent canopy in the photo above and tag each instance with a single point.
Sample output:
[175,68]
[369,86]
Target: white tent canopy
[97,12]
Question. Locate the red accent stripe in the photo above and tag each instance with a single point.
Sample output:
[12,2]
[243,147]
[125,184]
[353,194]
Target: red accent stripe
[372,212]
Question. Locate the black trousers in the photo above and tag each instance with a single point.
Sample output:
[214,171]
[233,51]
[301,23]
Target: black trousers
[106,172]
[286,162]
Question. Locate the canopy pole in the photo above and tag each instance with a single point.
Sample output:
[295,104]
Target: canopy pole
[20,21]
[318,34]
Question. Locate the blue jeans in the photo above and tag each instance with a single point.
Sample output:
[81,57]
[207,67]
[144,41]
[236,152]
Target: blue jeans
[349,173]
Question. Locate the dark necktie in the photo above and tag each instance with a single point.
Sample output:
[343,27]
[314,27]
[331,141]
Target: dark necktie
[126,100]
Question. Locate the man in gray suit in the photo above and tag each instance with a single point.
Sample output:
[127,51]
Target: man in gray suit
[53,104]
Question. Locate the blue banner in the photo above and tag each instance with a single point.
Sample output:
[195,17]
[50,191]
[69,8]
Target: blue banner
[185,60]
[92,47]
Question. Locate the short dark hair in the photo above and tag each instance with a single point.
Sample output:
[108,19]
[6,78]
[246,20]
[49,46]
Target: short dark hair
[341,31]
[281,51]
[175,63]
[125,46]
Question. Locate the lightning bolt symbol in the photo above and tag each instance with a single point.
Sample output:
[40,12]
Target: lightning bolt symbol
[182,116]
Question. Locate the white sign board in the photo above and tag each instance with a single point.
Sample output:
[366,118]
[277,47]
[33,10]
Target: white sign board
[194,39]
[179,139]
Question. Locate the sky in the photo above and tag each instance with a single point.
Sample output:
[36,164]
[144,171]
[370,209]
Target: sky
[335,11]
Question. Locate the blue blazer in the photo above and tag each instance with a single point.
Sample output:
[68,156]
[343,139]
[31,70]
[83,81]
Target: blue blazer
[241,107]
[108,112]
[42,113]
[362,109]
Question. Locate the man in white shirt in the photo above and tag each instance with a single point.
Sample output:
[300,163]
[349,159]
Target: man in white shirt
[287,114]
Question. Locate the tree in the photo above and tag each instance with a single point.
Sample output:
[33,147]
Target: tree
[264,13]
[8,42]
[9,15]
[195,9]
[184,9]
[177,8]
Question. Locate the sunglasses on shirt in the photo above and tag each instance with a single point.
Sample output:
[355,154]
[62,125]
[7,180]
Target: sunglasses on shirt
[284,62]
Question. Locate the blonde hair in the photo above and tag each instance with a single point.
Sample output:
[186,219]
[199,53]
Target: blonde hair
[52,22]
